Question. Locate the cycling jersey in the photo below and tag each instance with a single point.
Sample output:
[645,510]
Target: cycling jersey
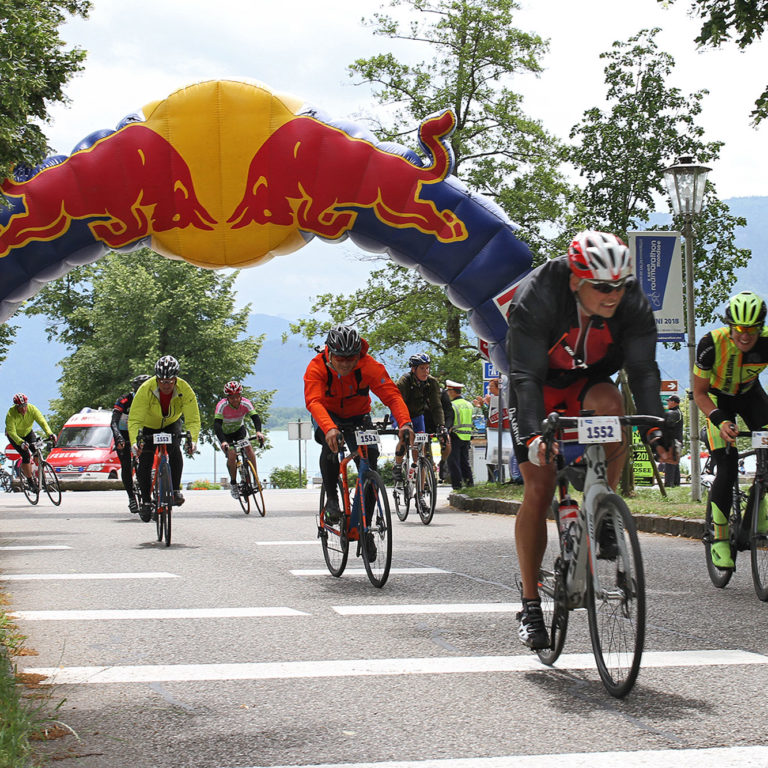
[729,370]
[120,413]
[19,425]
[550,346]
[327,394]
[146,409]
[421,397]
[228,420]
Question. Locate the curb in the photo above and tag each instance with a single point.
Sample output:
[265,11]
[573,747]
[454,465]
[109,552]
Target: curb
[687,528]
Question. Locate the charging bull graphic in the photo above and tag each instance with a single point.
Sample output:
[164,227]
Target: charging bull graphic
[227,173]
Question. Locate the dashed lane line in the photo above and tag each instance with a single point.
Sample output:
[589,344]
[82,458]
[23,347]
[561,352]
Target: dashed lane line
[356,667]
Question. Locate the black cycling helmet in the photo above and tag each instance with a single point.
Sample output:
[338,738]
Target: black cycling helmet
[167,367]
[138,381]
[421,359]
[745,308]
[344,341]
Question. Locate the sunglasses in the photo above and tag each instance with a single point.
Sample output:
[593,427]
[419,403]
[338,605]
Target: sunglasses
[604,287]
[750,329]
[346,357]
[166,381]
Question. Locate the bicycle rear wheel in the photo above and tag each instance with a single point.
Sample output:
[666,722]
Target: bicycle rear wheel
[258,496]
[51,484]
[718,576]
[617,612]
[554,604]
[6,481]
[31,487]
[333,539]
[758,542]
[426,475]
[377,538]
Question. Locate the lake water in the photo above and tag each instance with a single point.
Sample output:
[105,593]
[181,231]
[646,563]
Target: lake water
[283,452]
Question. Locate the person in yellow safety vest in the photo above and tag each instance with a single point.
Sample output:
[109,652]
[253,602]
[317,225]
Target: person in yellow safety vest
[461,432]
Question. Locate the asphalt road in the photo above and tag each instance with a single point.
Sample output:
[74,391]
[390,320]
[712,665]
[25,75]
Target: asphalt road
[235,648]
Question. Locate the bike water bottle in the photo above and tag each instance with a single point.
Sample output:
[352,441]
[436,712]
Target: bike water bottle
[411,473]
[568,513]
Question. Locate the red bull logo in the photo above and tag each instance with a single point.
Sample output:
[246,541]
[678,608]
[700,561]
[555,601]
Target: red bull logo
[134,182]
[313,176]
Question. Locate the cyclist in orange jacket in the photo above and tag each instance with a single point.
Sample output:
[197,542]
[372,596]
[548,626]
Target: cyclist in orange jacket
[337,384]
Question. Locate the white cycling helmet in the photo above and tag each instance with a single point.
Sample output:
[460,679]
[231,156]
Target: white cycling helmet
[600,257]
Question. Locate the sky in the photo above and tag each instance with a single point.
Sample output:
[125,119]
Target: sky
[142,51]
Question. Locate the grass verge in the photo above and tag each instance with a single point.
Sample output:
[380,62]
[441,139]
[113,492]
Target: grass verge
[645,501]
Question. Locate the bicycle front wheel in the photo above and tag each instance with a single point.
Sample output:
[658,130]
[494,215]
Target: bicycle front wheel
[31,487]
[51,484]
[333,539]
[426,483]
[258,496]
[244,490]
[718,576]
[759,541]
[164,503]
[377,528]
[616,599]
[6,482]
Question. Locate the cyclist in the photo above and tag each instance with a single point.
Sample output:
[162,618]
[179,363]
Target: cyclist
[461,433]
[573,322]
[158,405]
[421,393]
[18,429]
[725,384]
[229,426]
[337,383]
[119,426]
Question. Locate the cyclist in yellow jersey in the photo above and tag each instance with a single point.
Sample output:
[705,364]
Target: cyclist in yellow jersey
[18,429]
[725,385]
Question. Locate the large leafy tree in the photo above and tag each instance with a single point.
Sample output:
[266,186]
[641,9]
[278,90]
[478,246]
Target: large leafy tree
[34,67]
[476,52]
[622,149]
[740,20]
[119,315]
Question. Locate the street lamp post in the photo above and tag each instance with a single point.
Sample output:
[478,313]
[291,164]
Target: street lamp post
[686,182]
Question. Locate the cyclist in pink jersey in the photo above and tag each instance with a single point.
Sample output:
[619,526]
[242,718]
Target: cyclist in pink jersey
[229,426]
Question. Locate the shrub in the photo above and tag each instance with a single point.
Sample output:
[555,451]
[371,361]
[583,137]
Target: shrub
[288,477]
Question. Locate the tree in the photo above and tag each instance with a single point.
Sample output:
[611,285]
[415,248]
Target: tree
[743,20]
[122,313]
[499,151]
[34,67]
[7,332]
[622,150]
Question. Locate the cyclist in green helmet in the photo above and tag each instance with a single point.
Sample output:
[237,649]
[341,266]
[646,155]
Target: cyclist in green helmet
[725,385]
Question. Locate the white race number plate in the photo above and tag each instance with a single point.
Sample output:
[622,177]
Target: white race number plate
[599,429]
[421,437]
[367,437]
[760,439]
[162,438]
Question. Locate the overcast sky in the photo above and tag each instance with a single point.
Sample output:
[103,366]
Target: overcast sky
[141,51]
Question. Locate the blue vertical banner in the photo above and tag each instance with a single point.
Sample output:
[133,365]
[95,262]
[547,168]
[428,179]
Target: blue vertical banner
[659,268]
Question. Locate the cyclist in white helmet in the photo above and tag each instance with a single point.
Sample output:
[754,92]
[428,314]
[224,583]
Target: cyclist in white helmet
[574,322]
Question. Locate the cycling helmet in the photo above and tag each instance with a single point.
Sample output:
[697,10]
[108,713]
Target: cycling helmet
[745,308]
[20,399]
[233,388]
[420,359]
[167,367]
[343,341]
[599,256]
[138,381]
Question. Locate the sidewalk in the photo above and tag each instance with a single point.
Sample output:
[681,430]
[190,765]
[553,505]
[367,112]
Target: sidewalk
[688,528]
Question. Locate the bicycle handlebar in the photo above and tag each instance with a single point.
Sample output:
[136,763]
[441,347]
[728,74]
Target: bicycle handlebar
[555,422]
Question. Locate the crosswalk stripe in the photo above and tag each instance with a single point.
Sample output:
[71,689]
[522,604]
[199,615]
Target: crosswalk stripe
[359,667]
[715,757]
[85,576]
[18,547]
[416,608]
[169,613]
[362,572]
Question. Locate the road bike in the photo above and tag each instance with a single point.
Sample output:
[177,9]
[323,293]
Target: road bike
[597,565]
[365,516]
[161,489]
[43,476]
[6,480]
[418,481]
[747,524]
[249,488]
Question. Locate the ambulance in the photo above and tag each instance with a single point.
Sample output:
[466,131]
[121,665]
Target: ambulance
[85,449]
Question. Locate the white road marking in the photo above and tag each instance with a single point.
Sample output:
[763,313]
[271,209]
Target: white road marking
[85,576]
[362,572]
[416,608]
[357,667]
[33,546]
[744,757]
[169,613]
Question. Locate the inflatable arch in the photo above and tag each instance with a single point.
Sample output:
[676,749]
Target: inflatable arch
[230,174]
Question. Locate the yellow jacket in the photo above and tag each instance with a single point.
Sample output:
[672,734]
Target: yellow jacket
[146,410]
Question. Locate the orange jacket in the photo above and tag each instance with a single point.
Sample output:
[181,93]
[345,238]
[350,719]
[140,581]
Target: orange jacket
[326,392]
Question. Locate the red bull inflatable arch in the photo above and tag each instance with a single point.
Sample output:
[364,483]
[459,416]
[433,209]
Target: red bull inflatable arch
[230,174]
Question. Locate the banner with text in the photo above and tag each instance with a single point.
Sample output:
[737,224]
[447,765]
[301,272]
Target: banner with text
[659,268]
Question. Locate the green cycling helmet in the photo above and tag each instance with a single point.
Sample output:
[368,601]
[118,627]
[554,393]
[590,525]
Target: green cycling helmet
[745,308]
